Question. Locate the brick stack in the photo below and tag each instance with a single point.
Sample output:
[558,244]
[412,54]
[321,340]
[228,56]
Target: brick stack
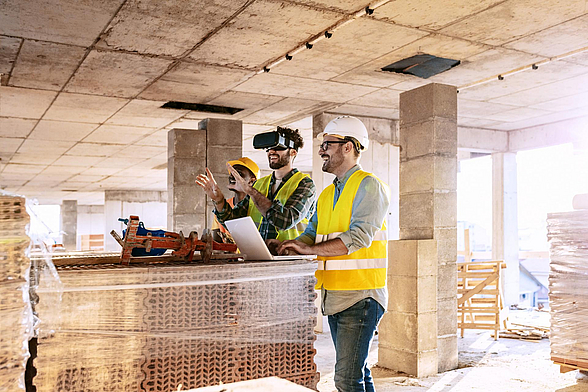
[152,328]
[16,320]
[568,287]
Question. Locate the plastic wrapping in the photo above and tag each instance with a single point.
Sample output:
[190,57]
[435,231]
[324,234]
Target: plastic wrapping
[568,286]
[154,328]
[16,317]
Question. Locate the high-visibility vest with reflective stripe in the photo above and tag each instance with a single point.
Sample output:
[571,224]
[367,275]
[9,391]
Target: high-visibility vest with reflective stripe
[287,189]
[363,269]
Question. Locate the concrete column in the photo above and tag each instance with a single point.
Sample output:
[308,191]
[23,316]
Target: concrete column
[149,206]
[408,332]
[69,223]
[428,202]
[505,229]
[189,153]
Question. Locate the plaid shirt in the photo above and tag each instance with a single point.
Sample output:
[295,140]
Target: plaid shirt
[299,206]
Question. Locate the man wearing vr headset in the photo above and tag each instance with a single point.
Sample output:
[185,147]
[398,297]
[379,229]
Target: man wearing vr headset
[279,204]
[348,233]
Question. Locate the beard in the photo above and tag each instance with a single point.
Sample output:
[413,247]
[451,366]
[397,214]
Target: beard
[333,161]
[280,163]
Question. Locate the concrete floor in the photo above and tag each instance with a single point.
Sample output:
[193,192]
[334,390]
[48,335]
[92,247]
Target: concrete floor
[484,365]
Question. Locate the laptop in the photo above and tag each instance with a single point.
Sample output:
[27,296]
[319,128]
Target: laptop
[252,245]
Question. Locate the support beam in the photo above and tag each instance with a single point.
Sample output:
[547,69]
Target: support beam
[568,131]
[505,230]
[481,140]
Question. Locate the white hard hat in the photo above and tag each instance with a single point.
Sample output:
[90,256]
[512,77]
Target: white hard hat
[347,126]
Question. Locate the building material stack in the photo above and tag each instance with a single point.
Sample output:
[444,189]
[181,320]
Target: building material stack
[568,287]
[16,319]
[156,327]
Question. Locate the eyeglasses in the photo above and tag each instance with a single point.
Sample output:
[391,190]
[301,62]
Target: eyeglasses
[325,145]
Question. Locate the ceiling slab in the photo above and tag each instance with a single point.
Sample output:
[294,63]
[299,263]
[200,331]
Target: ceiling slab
[24,103]
[350,46]
[168,28]
[194,83]
[565,103]
[117,134]
[41,147]
[263,31]
[296,87]
[345,6]
[116,74]
[34,158]
[9,47]
[76,160]
[16,127]
[563,38]
[16,168]
[430,15]
[480,110]
[250,102]
[384,98]
[282,110]
[158,138]
[60,130]
[65,21]
[514,19]
[366,111]
[87,149]
[145,113]
[45,65]
[84,108]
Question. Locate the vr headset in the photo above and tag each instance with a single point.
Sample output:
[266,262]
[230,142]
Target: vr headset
[272,141]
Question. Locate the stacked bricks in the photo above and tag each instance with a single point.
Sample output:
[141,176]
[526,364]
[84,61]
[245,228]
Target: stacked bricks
[568,287]
[16,319]
[152,328]
[190,152]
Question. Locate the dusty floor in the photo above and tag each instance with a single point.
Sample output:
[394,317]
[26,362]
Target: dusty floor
[484,365]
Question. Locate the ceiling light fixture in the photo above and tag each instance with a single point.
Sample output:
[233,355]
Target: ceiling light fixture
[369,10]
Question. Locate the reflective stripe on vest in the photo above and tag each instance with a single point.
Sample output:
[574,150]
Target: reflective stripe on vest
[363,269]
[287,189]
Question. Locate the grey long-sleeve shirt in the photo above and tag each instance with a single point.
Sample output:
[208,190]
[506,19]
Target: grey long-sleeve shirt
[368,212]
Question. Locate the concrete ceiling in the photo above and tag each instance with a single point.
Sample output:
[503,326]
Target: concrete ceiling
[83,82]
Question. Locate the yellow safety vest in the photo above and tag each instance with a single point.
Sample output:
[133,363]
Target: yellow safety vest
[363,269]
[262,185]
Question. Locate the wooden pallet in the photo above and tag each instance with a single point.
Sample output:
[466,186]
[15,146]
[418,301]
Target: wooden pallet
[569,365]
[479,302]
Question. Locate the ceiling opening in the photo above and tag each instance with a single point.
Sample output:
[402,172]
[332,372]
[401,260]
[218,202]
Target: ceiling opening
[422,65]
[199,107]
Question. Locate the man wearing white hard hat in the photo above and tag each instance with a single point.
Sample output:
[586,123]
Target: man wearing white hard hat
[348,233]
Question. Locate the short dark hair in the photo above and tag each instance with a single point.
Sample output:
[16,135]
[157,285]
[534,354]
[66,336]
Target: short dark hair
[355,143]
[292,134]
[246,168]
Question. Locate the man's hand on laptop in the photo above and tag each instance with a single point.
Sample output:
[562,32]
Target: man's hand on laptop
[294,247]
[272,245]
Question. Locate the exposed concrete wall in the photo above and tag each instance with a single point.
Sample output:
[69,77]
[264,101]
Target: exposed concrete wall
[149,206]
[69,223]
[90,220]
[428,200]
[505,228]
[189,153]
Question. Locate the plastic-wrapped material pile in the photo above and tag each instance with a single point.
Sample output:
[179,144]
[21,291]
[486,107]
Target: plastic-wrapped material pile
[568,286]
[154,328]
[16,319]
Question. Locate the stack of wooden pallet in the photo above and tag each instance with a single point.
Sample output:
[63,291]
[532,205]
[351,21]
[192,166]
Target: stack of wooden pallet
[16,320]
[568,288]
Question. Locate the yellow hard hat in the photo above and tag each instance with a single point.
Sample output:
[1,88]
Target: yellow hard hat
[248,163]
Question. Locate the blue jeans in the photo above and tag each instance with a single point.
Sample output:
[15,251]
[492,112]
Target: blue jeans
[352,331]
